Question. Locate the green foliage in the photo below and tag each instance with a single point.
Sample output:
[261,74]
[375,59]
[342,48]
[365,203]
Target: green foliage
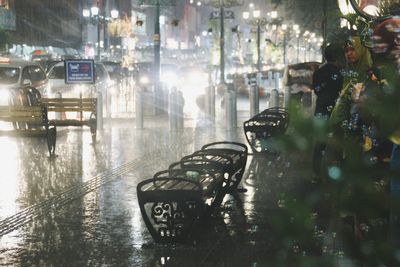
[355,192]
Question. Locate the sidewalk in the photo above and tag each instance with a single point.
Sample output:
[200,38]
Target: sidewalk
[81,209]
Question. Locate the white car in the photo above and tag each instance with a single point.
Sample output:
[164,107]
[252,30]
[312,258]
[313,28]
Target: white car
[19,80]
[58,86]
[57,83]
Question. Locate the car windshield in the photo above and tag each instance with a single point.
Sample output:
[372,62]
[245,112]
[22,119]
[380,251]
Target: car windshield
[57,72]
[9,75]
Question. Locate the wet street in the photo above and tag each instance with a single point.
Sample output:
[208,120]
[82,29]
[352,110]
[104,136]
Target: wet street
[81,208]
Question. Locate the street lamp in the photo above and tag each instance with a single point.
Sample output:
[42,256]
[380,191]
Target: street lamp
[258,22]
[287,29]
[157,39]
[94,14]
[221,15]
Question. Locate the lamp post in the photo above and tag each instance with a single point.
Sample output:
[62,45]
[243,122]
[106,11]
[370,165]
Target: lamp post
[157,38]
[221,15]
[96,17]
[259,22]
[286,33]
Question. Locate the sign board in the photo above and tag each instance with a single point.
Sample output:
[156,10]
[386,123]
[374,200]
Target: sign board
[79,71]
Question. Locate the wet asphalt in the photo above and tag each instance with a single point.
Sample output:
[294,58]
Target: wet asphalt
[80,208]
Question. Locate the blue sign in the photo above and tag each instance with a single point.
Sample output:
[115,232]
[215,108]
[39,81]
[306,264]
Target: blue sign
[79,71]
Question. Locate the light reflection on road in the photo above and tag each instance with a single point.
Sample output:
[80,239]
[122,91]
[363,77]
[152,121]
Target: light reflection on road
[9,166]
[106,223]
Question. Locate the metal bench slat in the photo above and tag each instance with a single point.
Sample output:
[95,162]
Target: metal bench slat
[71,109]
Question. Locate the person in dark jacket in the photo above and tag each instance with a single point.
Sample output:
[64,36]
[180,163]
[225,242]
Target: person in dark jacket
[327,83]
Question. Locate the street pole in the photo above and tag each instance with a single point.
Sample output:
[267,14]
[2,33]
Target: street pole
[221,15]
[157,47]
[258,54]
[221,43]
[157,44]
[258,47]
[284,48]
[324,28]
[157,63]
[104,22]
[98,38]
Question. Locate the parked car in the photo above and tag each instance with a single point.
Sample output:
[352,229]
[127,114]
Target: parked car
[57,83]
[21,82]
[17,73]
[102,84]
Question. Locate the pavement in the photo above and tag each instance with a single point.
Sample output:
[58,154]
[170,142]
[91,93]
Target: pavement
[80,208]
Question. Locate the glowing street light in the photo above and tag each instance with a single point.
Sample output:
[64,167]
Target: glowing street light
[94,14]
[258,22]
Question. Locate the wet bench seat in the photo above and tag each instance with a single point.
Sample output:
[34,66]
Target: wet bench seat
[177,200]
[79,105]
[30,121]
[237,152]
[260,128]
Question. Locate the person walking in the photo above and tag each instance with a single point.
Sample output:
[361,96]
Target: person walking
[344,120]
[327,83]
[358,60]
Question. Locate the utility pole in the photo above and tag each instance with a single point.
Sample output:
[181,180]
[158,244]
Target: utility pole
[324,27]
[258,22]
[222,14]
[222,42]
[157,38]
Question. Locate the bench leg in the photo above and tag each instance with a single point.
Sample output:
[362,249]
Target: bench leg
[171,216]
[93,127]
[51,137]
[93,132]
[237,177]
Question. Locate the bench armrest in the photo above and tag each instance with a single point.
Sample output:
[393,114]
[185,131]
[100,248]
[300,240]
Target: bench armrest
[225,144]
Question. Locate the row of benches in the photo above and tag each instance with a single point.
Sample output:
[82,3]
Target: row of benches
[175,201]
[29,115]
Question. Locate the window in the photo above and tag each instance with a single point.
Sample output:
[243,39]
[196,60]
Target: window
[9,75]
[57,72]
[36,74]
[25,74]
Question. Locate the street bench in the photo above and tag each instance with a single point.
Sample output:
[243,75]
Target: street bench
[237,152]
[262,127]
[80,106]
[30,121]
[175,202]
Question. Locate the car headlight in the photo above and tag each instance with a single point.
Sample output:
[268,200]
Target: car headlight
[168,77]
[144,80]
[4,97]
[196,77]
